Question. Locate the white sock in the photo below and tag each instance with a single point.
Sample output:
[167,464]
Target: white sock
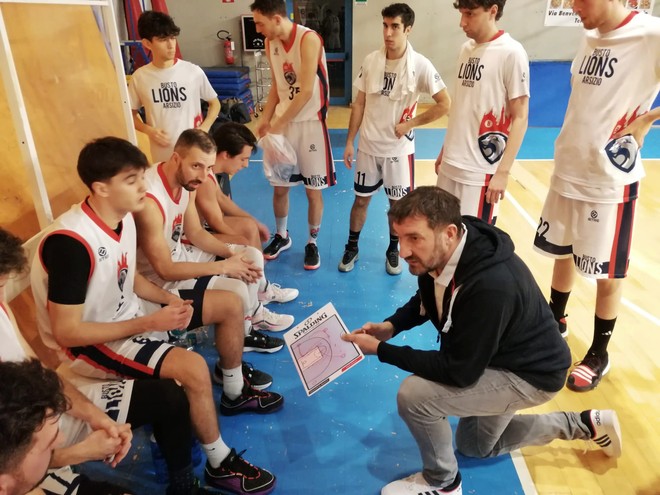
[216,452]
[313,233]
[232,382]
[280,226]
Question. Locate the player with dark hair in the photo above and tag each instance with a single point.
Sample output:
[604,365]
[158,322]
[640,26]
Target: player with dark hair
[505,357]
[489,112]
[389,84]
[297,107]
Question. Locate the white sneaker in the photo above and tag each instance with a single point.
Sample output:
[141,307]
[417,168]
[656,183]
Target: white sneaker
[607,432]
[276,293]
[262,319]
[415,484]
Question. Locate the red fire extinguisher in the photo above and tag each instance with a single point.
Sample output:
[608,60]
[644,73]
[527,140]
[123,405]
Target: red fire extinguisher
[228,46]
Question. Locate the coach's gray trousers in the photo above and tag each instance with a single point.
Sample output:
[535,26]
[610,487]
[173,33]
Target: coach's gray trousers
[488,425]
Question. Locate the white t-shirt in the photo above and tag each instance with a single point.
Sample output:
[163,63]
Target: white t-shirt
[489,76]
[286,65]
[14,347]
[615,78]
[171,100]
[382,113]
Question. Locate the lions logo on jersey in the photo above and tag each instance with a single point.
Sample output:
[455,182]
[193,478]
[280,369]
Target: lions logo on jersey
[622,152]
[289,73]
[493,134]
[177,228]
[122,271]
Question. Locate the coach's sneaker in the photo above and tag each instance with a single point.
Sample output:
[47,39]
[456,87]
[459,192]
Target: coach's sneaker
[563,327]
[277,293]
[263,319]
[236,475]
[605,430]
[260,342]
[312,257]
[277,245]
[255,378]
[588,373]
[415,484]
[392,265]
[251,400]
[347,262]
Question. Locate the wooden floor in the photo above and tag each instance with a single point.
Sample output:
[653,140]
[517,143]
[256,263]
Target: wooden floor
[631,387]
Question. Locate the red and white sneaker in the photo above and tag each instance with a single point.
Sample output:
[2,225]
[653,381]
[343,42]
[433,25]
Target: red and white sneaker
[415,484]
[588,373]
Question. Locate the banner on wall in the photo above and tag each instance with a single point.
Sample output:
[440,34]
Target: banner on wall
[560,12]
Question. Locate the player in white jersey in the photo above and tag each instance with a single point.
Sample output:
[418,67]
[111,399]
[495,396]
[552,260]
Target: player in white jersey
[94,427]
[169,89]
[297,106]
[490,105]
[177,252]
[105,318]
[587,219]
[388,87]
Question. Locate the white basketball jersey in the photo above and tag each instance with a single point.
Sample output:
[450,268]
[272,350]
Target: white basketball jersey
[171,100]
[13,346]
[489,75]
[286,66]
[382,114]
[615,79]
[110,295]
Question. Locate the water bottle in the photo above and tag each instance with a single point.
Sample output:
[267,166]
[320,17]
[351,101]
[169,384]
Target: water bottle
[197,336]
[160,466]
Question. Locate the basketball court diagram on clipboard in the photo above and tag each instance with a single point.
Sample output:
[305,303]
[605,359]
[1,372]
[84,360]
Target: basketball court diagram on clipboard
[319,353]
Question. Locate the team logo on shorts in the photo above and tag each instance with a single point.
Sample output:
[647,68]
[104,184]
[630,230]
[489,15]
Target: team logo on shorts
[289,73]
[493,134]
[122,271]
[177,227]
[622,152]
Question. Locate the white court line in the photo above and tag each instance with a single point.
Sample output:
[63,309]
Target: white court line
[523,473]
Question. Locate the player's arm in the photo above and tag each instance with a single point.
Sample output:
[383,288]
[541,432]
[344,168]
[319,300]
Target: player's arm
[434,112]
[354,123]
[211,114]
[518,111]
[641,126]
[310,49]
[207,203]
[198,235]
[151,240]
[160,136]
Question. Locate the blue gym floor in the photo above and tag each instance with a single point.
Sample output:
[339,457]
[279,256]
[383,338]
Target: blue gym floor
[347,438]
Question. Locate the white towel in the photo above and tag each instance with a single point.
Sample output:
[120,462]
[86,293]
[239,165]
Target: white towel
[375,73]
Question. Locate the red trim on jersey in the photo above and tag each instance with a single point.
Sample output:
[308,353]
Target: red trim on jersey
[113,356]
[497,35]
[292,37]
[90,362]
[411,170]
[163,178]
[87,210]
[160,207]
[77,237]
[628,18]
[485,209]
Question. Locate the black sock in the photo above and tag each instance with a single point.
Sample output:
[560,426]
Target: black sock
[394,243]
[558,302]
[181,481]
[353,238]
[602,333]
[585,417]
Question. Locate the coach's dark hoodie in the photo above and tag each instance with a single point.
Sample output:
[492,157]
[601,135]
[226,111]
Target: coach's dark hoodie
[499,319]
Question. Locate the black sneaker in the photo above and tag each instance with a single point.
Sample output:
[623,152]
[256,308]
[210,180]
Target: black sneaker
[347,262]
[237,475]
[260,342]
[563,327]
[257,379]
[312,258]
[277,245]
[392,265]
[251,400]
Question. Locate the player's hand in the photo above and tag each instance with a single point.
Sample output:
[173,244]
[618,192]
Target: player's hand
[496,187]
[160,136]
[173,316]
[241,268]
[264,232]
[638,129]
[349,153]
[402,128]
[438,161]
[263,128]
[99,446]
